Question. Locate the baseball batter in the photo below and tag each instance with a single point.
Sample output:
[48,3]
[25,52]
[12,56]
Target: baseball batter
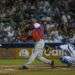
[38,37]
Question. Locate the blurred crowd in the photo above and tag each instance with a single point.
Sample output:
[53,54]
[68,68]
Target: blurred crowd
[24,9]
[16,24]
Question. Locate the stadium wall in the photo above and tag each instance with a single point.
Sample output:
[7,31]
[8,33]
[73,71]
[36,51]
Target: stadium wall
[20,52]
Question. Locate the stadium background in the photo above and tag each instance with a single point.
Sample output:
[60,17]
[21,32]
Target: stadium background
[15,52]
[17,17]
[19,21]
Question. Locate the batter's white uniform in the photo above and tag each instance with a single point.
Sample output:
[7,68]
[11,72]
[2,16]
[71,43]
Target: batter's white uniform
[38,51]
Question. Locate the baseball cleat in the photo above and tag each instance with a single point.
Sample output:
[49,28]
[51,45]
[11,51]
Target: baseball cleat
[52,64]
[23,67]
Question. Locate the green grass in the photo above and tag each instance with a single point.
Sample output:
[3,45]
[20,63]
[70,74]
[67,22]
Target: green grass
[12,61]
[16,61]
[22,61]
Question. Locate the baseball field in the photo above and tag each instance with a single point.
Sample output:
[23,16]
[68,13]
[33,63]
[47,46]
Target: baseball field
[11,67]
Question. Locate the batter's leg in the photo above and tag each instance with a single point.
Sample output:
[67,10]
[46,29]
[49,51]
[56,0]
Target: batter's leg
[43,59]
[47,61]
[32,57]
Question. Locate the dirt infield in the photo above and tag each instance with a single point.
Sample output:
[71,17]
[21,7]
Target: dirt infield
[4,69]
[35,69]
